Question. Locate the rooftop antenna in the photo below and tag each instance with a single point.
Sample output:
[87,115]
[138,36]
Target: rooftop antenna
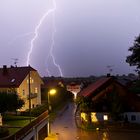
[110,68]
[15,61]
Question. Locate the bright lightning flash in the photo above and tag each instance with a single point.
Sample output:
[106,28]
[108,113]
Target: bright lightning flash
[36,34]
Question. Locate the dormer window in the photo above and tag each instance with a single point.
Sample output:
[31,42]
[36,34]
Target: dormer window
[13,80]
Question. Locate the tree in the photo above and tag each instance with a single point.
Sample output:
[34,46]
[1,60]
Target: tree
[84,105]
[134,58]
[10,102]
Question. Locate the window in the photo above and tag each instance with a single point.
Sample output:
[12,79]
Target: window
[23,92]
[133,118]
[13,80]
[36,90]
[105,117]
[31,80]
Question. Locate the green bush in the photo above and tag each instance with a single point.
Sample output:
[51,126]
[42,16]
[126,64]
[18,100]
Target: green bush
[39,110]
[7,117]
[3,132]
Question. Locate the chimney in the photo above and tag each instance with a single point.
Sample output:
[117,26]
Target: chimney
[108,75]
[5,70]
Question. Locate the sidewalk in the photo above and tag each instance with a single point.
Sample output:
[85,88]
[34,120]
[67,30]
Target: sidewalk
[51,137]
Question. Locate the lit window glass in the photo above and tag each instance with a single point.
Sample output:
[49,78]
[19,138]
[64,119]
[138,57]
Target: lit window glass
[36,90]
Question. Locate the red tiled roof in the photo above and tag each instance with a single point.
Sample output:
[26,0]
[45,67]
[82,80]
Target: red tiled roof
[94,87]
[13,77]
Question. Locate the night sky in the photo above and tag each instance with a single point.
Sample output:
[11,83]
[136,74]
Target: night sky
[90,35]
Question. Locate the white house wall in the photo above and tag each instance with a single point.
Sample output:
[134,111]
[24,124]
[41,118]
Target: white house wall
[130,114]
[23,90]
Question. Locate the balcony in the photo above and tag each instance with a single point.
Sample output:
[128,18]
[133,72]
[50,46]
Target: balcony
[32,95]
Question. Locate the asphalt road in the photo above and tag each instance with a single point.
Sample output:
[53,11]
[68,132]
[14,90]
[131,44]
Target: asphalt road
[65,129]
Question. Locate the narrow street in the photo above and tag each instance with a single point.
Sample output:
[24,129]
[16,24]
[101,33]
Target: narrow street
[65,129]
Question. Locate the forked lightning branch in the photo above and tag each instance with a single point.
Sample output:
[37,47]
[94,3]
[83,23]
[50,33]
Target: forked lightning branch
[36,35]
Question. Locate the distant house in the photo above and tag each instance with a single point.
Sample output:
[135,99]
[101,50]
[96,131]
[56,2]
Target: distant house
[74,87]
[17,79]
[106,92]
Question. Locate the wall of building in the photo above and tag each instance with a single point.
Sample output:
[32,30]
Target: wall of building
[74,89]
[96,117]
[35,88]
[133,117]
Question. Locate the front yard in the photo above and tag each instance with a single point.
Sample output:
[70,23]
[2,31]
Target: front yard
[14,123]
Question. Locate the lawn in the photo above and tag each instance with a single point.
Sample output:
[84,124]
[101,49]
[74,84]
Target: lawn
[14,123]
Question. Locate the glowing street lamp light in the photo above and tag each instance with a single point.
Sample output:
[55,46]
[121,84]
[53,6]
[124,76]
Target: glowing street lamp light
[52,92]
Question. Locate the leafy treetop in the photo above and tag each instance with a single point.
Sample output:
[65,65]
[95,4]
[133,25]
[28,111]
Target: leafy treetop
[134,58]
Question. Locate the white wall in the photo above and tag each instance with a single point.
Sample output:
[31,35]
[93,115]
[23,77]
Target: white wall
[130,116]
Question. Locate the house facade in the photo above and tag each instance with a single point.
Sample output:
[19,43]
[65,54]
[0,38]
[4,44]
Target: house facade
[16,79]
[74,87]
[108,97]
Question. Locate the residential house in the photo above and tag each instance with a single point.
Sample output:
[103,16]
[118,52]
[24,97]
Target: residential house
[74,87]
[106,93]
[17,79]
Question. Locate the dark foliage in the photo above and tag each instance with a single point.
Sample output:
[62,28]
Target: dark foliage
[10,102]
[3,132]
[134,58]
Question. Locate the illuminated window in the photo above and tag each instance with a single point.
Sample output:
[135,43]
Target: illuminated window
[31,80]
[83,116]
[105,117]
[36,90]
[94,117]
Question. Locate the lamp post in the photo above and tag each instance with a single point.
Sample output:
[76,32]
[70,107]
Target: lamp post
[0,120]
[51,92]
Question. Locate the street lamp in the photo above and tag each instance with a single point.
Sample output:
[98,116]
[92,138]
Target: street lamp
[51,92]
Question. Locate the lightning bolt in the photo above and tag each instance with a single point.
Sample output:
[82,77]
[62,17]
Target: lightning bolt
[53,42]
[36,34]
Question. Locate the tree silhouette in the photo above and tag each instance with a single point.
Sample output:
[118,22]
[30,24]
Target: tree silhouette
[10,102]
[134,58]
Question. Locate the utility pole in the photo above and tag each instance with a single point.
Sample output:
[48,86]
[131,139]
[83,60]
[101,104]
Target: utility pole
[29,86]
[110,68]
